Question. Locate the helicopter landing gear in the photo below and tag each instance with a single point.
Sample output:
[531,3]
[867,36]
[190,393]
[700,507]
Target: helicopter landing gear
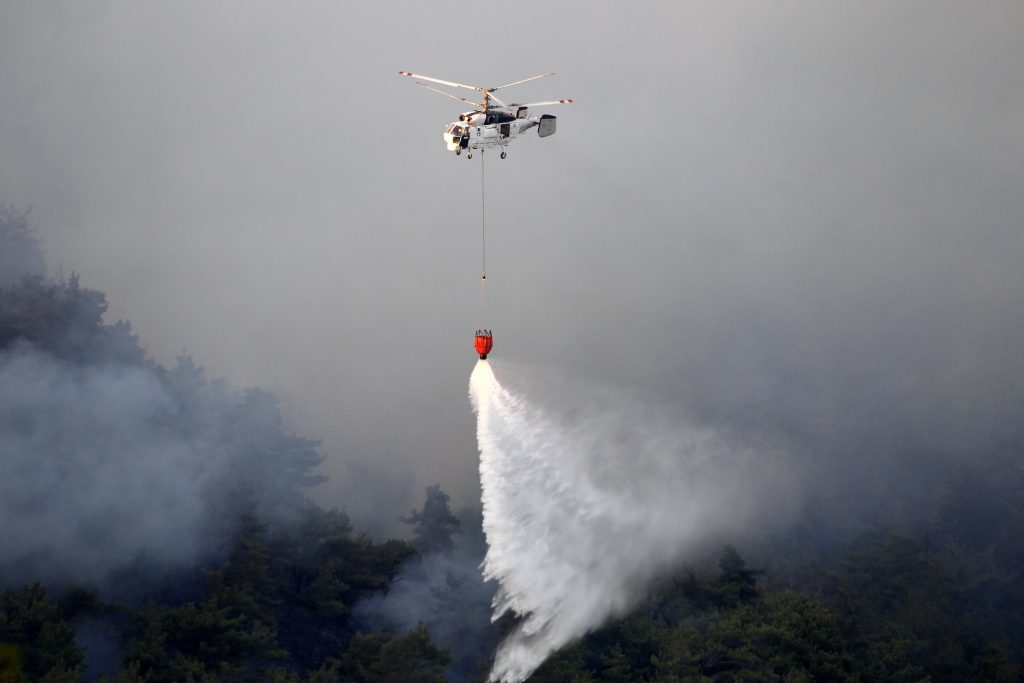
[458,151]
[469,155]
[503,155]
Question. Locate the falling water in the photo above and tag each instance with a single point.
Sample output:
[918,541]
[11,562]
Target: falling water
[583,513]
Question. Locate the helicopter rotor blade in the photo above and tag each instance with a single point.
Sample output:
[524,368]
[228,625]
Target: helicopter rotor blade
[531,78]
[542,104]
[438,80]
[448,94]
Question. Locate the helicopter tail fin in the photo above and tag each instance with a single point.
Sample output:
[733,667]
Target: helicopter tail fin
[546,126]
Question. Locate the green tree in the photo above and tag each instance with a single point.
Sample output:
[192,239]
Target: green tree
[383,658]
[736,583]
[66,320]
[616,667]
[36,638]
[434,526]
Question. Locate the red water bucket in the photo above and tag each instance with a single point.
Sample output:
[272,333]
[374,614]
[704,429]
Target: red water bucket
[483,343]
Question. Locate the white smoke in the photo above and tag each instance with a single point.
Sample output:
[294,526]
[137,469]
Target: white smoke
[91,475]
[106,467]
[585,506]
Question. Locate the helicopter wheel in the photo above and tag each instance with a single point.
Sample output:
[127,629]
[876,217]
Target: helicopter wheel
[458,151]
[503,155]
[469,156]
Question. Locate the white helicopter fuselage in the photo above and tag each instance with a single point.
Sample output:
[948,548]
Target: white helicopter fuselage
[486,130]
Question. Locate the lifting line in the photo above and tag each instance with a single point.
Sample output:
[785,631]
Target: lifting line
[483,220]
[483,247]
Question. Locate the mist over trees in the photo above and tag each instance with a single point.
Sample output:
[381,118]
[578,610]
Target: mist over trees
[165,513]
[155,527]
[133,460]
[21,250]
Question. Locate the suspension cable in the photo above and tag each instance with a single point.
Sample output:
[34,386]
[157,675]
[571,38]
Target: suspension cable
[483,220]
[483,248]
[480,321]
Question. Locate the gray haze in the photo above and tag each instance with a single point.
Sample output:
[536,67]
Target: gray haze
[795,216]
[89,480]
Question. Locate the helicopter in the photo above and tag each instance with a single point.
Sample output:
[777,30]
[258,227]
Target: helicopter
[489,126]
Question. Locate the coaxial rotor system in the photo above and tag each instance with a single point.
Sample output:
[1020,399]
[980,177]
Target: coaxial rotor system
[488,93]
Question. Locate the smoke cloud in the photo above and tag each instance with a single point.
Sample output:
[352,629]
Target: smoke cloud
[107,466]
[586,504]
[445,593]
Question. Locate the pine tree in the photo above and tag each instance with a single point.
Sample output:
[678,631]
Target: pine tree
[434,527]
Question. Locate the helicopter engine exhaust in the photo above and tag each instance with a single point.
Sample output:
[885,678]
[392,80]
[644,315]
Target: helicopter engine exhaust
[546,126]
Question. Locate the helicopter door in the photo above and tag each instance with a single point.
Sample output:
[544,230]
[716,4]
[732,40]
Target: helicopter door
[505,129]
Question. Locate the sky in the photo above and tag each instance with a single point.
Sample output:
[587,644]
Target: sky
[795,216]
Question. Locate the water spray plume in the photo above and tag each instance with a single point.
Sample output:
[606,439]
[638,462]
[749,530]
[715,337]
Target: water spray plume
[583,514]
